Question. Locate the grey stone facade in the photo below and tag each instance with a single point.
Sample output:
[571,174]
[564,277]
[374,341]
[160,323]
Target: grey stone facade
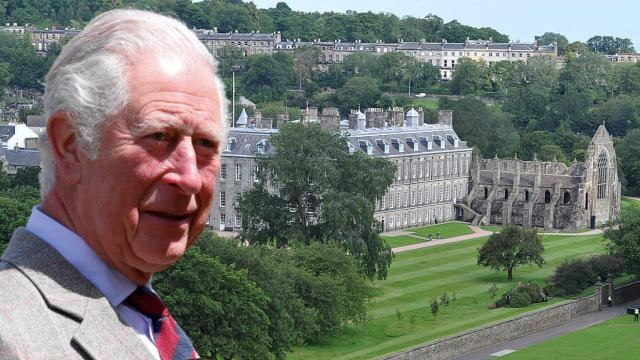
[549,195]
[237,174]
[433,165]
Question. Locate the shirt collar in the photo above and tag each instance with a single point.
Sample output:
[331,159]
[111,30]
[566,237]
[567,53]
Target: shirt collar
[115,286]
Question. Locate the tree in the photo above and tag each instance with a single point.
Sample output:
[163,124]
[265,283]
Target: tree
[511,247]
[551,153]
[434,308]
[467,77]
[26,66]
[610,45]
[324,196]
[529,89]
[549,38]
[304,59]
[490,130]
[358,92]
[268,76]
[218,306]
[290,322]
[627,150]
[312,290]
[5,75]
[624,239]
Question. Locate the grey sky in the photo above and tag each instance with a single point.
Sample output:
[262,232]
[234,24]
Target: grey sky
[520,20]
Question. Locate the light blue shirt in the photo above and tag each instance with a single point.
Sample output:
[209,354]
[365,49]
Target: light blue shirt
[115,287]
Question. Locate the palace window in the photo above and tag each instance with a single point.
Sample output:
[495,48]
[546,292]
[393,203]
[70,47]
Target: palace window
[238,172]
[223,172]
[223,199]
[602,175]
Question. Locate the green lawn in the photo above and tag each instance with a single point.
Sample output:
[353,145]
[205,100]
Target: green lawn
[426,103]
[402,240]
[446,230]
[494,228]
[627,203]
[613,339]
[418,276]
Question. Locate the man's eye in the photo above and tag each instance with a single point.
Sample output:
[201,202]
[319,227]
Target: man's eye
[205,143]
[159,136]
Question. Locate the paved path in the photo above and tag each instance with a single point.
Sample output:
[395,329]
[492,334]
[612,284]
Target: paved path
[477,232]
[493,352]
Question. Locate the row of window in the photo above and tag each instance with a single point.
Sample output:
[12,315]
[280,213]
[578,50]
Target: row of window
[237,43]
[237,220]
[413,218]
[468,53]
[435,168]
[223,172]
[421,196]
[238,172]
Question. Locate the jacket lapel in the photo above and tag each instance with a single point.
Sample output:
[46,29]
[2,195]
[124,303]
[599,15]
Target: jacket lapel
[101,333]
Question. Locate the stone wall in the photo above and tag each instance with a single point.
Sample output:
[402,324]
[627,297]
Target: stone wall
[626,293]
[477,339]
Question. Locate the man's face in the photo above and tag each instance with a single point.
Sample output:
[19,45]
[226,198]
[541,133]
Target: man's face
[147,196]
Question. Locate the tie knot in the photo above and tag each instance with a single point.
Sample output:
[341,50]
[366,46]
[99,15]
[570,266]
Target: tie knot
[147,302]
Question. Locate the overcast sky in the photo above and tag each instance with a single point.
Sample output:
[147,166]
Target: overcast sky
[578,20]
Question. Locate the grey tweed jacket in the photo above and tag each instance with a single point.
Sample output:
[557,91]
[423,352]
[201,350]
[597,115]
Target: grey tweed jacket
[48,310]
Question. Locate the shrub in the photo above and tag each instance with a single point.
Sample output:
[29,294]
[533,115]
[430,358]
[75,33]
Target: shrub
[605,265]
[519,299]
[570,278]
[522,295]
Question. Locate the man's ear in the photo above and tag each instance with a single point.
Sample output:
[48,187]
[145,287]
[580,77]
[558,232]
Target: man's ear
[64,147]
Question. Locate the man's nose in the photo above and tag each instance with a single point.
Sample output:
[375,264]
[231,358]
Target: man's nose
[185,173]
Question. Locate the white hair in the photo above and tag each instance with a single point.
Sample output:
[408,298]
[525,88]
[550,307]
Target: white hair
[88,81]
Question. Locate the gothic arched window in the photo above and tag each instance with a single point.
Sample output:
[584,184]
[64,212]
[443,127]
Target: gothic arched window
[602,175]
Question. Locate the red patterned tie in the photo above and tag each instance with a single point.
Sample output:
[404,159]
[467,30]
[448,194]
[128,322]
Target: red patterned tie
[172,342]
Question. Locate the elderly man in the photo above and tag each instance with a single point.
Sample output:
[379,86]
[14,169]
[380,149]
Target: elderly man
[135,122]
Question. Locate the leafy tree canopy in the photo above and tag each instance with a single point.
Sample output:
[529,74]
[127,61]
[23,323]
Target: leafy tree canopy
[323,195]
[511,247]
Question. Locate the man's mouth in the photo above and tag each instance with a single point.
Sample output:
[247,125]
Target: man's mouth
[170,216]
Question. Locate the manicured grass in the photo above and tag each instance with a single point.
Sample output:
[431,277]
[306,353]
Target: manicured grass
[496,228]
[493,228]
[628,203]
[416,277]
[613,339]
[446,230]
[426,103]
[402,240]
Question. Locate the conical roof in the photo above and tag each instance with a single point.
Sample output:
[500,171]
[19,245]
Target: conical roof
[242,119]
